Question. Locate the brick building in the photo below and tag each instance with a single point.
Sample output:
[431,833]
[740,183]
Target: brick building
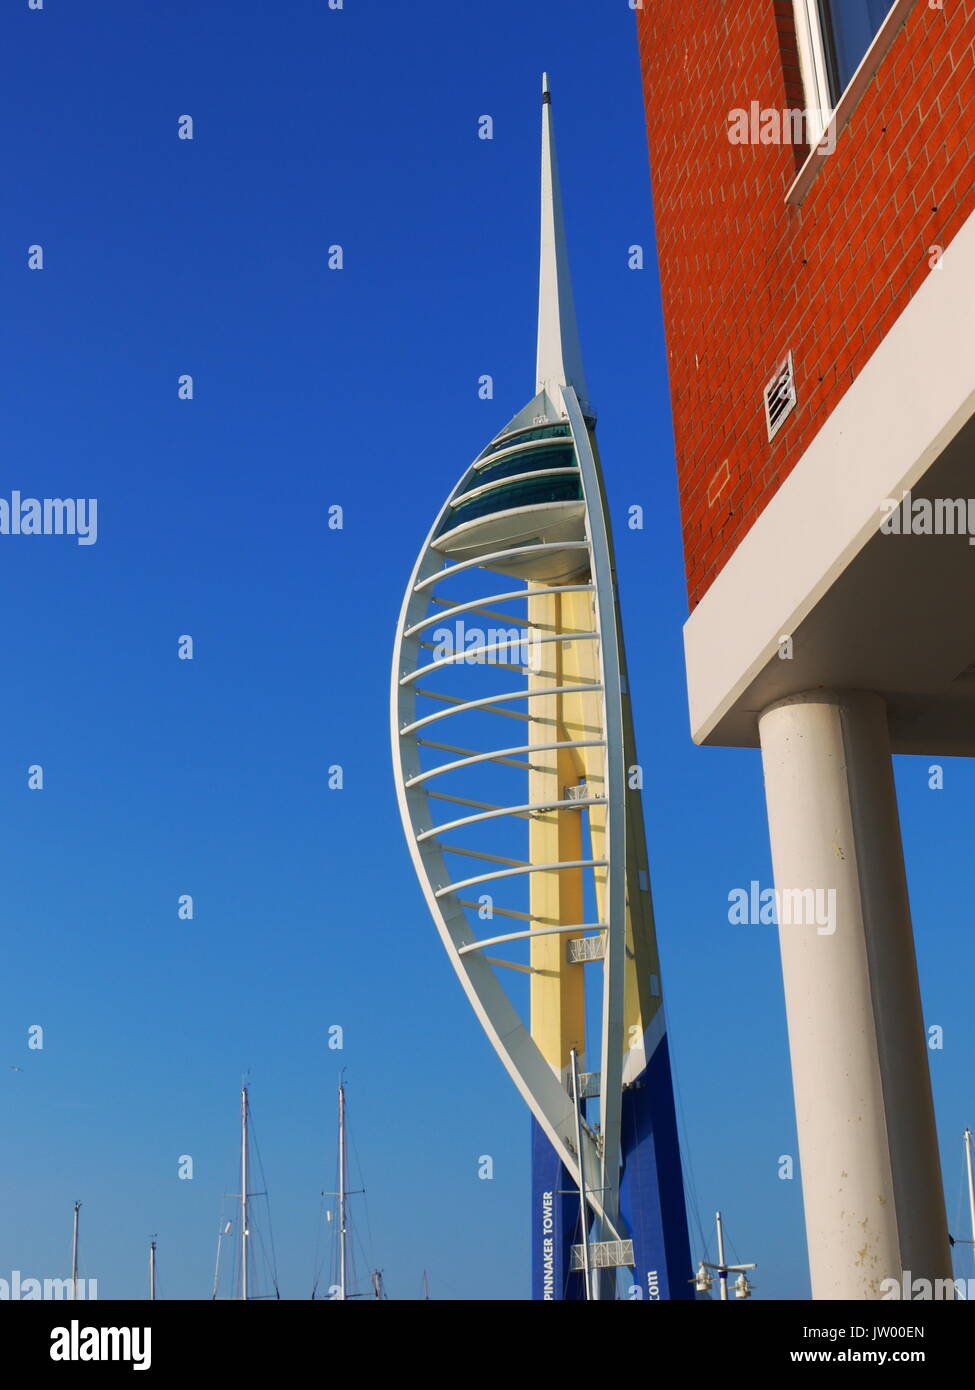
[812,164]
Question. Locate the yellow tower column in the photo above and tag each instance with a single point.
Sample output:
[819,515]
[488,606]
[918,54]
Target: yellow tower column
[557,988]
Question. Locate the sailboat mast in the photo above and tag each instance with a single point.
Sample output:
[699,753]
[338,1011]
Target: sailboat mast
[342,1195]
[971,1185]
[74,1252]
[243,1193]
[723,1272]
[152,1270]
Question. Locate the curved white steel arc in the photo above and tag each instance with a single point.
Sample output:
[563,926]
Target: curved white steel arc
[489,648]
[434,578]
[496,754]
[538,1083]
[538,931]
[532,807]
[465,706]
[517,872]
[444,614]
[604,602]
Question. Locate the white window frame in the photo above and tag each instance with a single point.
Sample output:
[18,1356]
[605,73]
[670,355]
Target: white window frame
[821,115]
[814,68]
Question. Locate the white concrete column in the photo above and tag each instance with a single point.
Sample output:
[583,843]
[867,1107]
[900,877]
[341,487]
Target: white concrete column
[868,1149]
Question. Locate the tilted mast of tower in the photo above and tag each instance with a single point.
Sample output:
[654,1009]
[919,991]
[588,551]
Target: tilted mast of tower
[547,813]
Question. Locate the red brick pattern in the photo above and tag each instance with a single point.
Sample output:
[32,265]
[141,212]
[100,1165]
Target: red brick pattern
[745,277]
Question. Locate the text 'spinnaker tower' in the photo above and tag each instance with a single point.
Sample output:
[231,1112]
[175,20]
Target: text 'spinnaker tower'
[515,762]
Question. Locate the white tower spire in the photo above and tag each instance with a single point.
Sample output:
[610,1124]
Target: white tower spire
[559,360]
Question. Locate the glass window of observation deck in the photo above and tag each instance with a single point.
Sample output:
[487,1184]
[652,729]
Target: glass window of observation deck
[528,462]
[532,492]
[528,436]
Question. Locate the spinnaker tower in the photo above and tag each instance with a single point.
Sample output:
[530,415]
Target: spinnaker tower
[518,783]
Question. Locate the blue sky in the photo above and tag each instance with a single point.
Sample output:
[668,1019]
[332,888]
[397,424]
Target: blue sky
[162,777]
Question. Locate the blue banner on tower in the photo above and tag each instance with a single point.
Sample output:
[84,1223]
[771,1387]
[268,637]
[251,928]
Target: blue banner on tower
[652,1190]
[555,1223]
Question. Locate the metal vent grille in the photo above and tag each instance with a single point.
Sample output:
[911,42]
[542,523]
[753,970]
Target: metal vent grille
[780,397]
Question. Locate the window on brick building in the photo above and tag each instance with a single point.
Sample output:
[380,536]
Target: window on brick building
[834,36]
[848,27]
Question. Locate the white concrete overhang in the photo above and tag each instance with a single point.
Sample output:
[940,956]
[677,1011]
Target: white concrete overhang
[865,610]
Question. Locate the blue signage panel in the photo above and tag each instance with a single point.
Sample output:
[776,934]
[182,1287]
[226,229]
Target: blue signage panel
[651,1199]
[652,1190]
[555,1223]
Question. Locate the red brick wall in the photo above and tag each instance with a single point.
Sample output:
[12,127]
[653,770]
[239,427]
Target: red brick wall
[745,277]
